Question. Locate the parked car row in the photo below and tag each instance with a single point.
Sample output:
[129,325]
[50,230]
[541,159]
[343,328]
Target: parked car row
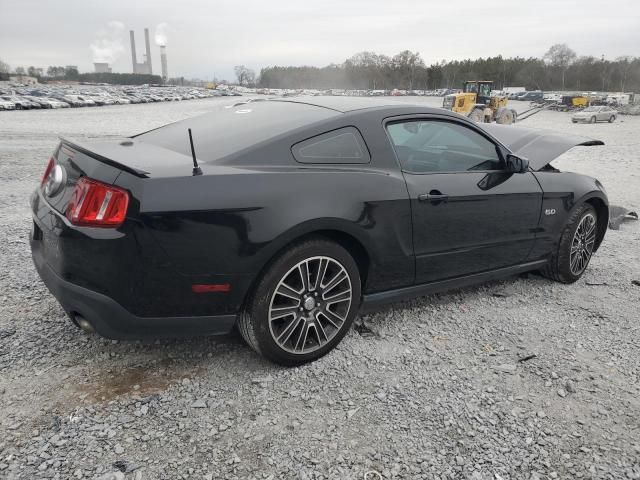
[20,97]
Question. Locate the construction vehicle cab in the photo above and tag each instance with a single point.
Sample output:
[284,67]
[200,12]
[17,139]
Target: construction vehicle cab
[476,102]
[575,101]
[481,89]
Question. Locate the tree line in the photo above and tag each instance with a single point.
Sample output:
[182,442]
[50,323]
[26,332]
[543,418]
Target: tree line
[560,69]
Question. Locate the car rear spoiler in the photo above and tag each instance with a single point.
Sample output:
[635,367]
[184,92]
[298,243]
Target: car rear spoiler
[105,151]
[540,147]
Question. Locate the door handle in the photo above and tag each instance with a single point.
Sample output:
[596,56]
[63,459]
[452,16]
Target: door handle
[433,196]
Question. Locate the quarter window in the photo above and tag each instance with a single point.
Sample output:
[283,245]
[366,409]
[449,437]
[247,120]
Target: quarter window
[344,145]
[426,146]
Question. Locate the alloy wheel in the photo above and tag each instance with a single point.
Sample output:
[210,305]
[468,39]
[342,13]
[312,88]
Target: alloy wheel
[310,305]
[582,244]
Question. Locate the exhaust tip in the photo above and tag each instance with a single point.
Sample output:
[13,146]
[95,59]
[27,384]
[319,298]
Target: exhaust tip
[84,324]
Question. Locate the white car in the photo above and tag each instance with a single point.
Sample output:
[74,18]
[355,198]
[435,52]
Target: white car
[595,114]
[552,97]
[86,100]
[7,105]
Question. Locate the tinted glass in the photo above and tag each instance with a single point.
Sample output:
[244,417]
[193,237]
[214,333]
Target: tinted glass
[438,146]
[344,145]
[230,129]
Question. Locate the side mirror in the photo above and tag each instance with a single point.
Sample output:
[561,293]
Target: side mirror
[517,164]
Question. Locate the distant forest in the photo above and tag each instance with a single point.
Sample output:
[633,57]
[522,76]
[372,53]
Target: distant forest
[560,69]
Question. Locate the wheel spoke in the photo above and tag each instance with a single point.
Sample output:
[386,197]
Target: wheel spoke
[322,270]
[291,327]
[574,261]
[339,297]
[281,312]
[590,229]
[339,277]
[289,292]
[303,270]
[320,329]
[302,337]
[332,317]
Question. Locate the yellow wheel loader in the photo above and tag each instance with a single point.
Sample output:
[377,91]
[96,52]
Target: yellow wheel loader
[477,103]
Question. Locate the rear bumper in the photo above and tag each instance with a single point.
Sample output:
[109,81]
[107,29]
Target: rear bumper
[111,320]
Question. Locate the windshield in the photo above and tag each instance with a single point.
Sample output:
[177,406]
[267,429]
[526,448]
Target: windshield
[485,90]
[591,109]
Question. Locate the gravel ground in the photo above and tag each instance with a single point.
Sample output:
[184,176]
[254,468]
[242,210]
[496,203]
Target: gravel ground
[435,388]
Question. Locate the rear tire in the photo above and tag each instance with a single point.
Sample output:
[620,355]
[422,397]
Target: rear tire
[575,248]
[612,118]
[292,321]
[593,120]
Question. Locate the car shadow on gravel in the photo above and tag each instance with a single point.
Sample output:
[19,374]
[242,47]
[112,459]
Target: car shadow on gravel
[145,368]
[90,369]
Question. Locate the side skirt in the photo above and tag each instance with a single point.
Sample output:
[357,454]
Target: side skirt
[375,300]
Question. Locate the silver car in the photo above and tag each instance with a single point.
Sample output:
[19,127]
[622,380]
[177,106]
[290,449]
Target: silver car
[595,114]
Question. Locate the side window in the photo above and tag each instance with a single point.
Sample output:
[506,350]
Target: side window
[426,146]
[344,145]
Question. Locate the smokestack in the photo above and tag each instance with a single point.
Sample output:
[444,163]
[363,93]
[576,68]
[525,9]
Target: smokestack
[163,61]
[133,50]
[146,41]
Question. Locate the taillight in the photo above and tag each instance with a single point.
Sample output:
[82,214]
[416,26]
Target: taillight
[47,171]
[96,204]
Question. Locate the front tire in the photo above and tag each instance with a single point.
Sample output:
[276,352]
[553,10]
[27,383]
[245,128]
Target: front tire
[576,246]
[593,120]
[477,115]
[304,304]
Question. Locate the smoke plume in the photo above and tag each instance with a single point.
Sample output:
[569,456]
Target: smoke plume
[161,34]
[108,46]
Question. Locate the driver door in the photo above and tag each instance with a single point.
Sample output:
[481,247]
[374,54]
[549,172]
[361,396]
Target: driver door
[469,213]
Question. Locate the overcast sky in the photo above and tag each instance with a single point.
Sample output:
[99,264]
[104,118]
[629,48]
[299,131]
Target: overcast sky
[209,37]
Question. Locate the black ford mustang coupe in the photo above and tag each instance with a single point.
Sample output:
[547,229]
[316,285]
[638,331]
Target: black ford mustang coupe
[284,217]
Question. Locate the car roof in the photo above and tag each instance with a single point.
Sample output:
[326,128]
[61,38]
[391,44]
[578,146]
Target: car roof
[231,128]
[344,104]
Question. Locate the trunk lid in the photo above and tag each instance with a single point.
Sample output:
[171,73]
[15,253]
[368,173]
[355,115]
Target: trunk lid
[540,147]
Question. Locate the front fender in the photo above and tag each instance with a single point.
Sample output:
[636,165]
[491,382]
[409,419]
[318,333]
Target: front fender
[563,192]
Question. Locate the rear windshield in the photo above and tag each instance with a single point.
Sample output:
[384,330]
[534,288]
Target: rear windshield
[230,129]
